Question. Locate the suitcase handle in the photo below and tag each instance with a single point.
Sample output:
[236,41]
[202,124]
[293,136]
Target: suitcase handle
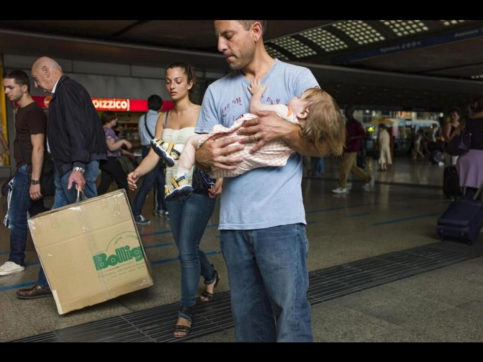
[477,192]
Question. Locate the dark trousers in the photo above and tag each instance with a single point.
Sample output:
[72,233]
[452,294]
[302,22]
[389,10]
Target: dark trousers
[153,178]
[111,170]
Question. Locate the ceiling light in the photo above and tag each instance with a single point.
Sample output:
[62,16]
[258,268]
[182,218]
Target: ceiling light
[274,53]
[360,31]
[327,41]
[405,27]
[294,46]
[451,22]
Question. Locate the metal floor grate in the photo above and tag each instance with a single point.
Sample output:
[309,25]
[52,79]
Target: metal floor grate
[156,324]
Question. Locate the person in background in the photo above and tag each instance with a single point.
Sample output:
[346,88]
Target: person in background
[188,216]
[436,144]
[384,139]
[155,177]
[29,152]
[355,135]
[470,165]
[449,131]
[111,168]
[76,140]
[418,145]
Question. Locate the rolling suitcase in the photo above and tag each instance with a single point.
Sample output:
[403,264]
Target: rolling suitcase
[462,220]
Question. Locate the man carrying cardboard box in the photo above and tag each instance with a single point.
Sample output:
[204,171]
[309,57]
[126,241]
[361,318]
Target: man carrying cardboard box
[76,140]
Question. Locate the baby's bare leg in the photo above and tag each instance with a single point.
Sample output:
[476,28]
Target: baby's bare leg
[187,158]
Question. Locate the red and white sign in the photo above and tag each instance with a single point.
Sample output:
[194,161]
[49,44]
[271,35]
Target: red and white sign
[112,104]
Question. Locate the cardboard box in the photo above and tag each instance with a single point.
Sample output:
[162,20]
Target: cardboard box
[90,251]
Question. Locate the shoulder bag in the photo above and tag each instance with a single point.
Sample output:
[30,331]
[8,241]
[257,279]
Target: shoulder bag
[460,144]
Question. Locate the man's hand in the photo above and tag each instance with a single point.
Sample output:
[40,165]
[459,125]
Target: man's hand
[34,192]
[77,178]
[267,127]
[216,189]
[219,152]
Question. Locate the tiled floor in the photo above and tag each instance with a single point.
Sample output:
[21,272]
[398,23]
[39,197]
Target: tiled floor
[398,214]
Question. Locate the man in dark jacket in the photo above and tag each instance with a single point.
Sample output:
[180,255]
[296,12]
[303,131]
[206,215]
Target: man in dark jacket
[76,141]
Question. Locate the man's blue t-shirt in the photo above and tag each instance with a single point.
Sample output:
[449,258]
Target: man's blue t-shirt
[268,196]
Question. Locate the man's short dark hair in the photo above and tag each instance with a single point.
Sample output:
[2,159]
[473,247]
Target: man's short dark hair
[20,77]
[247,23]
[155,102]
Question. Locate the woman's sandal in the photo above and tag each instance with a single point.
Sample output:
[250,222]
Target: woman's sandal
[181,330]
[207,295]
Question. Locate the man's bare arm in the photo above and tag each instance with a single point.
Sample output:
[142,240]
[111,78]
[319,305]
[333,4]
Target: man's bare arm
[37,158]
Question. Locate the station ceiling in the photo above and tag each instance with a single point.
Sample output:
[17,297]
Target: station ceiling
[409,64]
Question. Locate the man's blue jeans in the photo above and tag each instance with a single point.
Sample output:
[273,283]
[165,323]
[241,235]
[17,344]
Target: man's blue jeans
[268,283]
[20,204]
[63,197]
[188,219]
[154,177]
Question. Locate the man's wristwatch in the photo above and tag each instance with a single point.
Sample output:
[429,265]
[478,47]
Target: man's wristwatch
[79,169]
[34,182]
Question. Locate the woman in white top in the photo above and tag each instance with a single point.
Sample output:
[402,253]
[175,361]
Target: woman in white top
[188,216]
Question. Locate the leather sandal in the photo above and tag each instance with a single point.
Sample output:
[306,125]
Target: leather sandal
[207,295]
[181,330]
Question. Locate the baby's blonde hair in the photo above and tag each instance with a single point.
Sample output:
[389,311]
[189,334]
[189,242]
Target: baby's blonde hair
[324,122]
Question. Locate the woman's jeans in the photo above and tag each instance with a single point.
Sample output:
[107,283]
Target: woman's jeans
[268,283]
[188,218]
[63,197]
[20,204]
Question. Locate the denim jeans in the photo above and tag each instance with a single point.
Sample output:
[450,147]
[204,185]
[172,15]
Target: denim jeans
[268,283]
[154,177]
[20,204]
[188,219]
[63,197]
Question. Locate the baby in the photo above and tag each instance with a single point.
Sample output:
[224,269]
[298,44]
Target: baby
[315,111]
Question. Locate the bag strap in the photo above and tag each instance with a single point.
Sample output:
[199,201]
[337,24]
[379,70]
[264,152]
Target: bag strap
[146,126]
[166,119]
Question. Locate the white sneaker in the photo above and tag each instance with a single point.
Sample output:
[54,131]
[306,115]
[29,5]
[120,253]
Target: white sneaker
[340,190]
[9,267]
